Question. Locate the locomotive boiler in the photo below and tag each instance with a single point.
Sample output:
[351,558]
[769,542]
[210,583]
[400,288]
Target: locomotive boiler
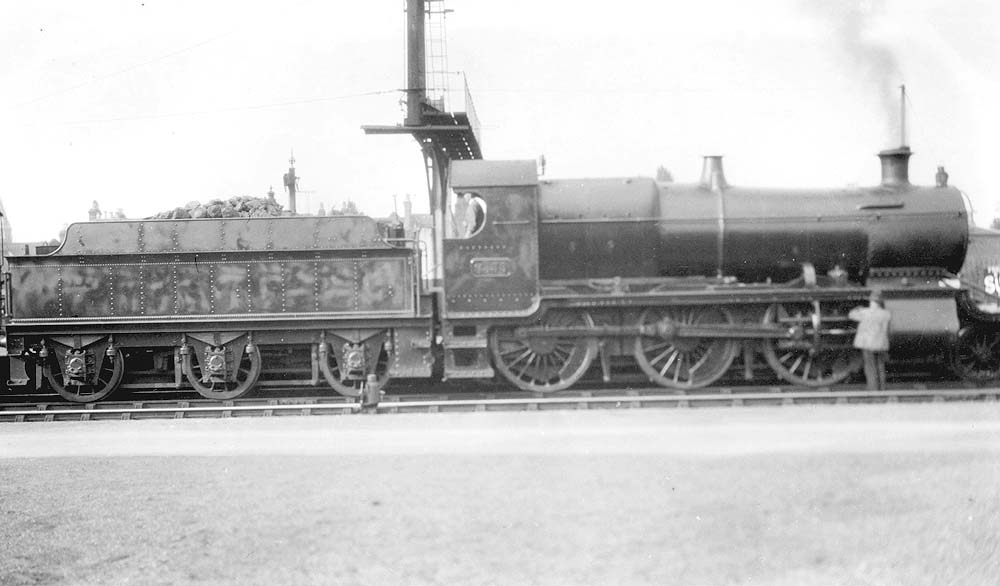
[633,228]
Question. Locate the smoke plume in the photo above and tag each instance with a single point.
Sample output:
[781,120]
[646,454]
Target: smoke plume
[872,59]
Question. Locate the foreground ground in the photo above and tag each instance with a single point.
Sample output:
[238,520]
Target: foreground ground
[879,495]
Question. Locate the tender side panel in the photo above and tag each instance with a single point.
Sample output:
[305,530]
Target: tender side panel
[222,235]
[49,290]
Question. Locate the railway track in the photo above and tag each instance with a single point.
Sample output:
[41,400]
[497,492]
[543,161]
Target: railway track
[472,402]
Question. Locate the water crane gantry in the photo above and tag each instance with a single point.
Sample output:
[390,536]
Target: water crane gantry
[443,135]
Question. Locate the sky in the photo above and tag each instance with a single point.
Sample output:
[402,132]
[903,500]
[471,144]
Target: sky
[145,106]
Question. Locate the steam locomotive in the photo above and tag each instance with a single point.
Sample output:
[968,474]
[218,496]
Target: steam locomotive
[542,282]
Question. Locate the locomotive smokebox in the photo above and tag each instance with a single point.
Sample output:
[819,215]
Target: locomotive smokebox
[896,166]
[712,175]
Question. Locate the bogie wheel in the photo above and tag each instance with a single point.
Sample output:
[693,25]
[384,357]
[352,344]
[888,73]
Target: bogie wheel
[541,363]
[802,360]
[976,356]
[224,388]
[352,388]
[685,363]
[109,376]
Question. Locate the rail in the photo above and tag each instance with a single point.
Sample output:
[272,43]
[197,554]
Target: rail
[605,399]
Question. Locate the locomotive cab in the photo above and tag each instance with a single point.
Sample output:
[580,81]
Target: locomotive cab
[490,258]
[490,249]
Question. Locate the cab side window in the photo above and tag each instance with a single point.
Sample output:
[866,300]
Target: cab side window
[465,215]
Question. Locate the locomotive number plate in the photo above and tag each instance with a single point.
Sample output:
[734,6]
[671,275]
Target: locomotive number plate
[491,267]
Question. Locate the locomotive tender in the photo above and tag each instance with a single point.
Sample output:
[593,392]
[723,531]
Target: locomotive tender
[200,299]
[547,281]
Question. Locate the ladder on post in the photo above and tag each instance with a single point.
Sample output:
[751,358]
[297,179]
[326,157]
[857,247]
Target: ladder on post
[437,55]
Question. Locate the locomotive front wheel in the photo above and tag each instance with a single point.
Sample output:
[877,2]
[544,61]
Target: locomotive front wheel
[544,364]
[821,353]
[976,356]
[351,388]
[223,390]
[685,363]
[108,378]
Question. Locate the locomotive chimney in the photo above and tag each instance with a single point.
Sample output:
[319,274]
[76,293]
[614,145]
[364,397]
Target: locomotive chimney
[712,176]
[895,166]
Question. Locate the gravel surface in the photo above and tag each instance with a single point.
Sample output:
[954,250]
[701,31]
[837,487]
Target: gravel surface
[786,496]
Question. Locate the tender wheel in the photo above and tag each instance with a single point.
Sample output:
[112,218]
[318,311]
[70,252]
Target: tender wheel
[822,352]
[109,376]
[212,375]
[544,363]
[976,356]
[351,388]
[685,363]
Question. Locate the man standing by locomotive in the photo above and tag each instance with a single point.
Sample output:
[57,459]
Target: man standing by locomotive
[872,339]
